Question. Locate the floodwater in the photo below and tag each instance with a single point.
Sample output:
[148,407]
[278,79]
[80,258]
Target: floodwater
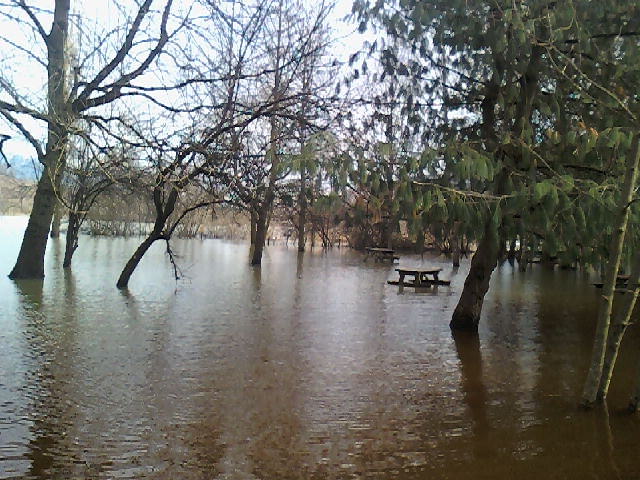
[311,367]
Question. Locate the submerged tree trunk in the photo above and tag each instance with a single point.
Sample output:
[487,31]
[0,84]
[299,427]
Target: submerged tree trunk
[455,244]
[466,316]
[262,227]
[132,264]
[618,328]
[30,262]
[164,205]
[263,212]
[594,376]
[523,256]
[58,211]
[302,213]
[71,240]
[253,222]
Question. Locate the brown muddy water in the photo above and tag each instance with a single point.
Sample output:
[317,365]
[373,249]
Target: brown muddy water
[311,367]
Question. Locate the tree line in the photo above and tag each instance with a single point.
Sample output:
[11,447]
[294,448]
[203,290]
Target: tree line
[510,125]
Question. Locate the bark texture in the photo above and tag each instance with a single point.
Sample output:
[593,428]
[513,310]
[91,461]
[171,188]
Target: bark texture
[30,262]
[71,240]
[57,220]
[466,316]
[262,226]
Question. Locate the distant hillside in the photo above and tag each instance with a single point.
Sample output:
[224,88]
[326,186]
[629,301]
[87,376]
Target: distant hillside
[16,195]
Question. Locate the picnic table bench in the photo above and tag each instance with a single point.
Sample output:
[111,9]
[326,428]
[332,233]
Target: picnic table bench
[381,254]
[622,283]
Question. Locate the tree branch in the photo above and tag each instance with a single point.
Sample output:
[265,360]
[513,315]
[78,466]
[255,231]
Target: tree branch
[84,102]
[32,140]
[34,19]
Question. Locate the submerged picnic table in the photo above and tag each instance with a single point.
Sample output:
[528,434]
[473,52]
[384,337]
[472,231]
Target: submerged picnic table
[421,277]
[622,283]
[381,254]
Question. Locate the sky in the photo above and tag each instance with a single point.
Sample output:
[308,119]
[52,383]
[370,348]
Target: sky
[97,15]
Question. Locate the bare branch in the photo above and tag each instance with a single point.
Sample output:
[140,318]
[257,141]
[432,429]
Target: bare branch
[27,9]
[26,51]
[17,124]
[84,101]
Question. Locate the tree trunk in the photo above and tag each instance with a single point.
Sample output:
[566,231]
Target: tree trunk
[455,244]
[58,210]
[420,242]
[523,256]
[466,316]
[132,264]
[253,221]
[594,376]
[618,328]
[164,208]
[30,262]
[263,212]
[71,241]
[302,214]
[261,235]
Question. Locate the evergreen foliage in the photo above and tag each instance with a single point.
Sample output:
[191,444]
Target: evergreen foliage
[524,113]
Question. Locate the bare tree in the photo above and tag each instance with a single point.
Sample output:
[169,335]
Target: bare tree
[103,75]
[293,49]
[221,68]
[90,174]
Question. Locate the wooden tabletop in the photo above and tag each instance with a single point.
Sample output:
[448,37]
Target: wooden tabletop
[412,271]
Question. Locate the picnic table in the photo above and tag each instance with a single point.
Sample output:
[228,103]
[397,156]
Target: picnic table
[381,254]
[422,277]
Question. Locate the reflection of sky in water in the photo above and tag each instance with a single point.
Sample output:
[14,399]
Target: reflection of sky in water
[310,367]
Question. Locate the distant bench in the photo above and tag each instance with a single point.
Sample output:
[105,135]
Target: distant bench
[381,254]
[421,277]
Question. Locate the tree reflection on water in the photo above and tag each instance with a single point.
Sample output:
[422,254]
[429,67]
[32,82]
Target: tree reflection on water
[308,367]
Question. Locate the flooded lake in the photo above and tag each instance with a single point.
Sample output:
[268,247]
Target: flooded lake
[311,367]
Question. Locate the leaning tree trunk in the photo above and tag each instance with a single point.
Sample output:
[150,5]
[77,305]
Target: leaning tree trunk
[619,326]
[164,209]
[466,316]
[30,262]
[132,264]
[594,377]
